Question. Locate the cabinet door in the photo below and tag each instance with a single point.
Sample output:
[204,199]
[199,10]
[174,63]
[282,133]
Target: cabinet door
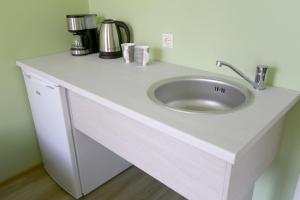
[96,163]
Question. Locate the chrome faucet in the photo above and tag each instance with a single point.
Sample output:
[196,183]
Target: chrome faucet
[260,77]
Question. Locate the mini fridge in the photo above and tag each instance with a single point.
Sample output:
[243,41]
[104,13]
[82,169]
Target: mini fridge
[74,161]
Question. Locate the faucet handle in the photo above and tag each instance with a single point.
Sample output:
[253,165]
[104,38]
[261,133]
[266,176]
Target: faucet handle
[262,69]
[261,77]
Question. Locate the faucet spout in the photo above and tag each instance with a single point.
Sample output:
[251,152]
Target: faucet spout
[260,77]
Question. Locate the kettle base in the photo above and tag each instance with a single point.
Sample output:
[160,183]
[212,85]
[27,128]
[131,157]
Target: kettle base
[110,55]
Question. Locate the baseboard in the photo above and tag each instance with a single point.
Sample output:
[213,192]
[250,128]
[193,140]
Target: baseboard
[18,175]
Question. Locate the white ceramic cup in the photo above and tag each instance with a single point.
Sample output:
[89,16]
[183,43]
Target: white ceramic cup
[142,55]
[128,52]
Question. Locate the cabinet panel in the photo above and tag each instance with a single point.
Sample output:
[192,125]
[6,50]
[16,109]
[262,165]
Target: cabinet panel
[96,163]
[184,168]
[253,162]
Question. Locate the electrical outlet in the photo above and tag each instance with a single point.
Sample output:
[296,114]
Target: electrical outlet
[167,40]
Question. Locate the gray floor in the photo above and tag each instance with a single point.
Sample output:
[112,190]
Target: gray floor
[133,184]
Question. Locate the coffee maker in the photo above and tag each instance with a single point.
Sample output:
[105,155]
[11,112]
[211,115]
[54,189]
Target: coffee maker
[85,37]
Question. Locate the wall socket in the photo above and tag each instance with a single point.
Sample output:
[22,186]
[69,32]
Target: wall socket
[167,40]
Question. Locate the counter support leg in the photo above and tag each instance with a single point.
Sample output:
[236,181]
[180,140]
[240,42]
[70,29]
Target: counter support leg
[249,195]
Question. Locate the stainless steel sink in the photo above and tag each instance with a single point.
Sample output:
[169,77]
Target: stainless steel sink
[199,94]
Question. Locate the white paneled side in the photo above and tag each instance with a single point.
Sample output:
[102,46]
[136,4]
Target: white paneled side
[253,163]
[297,191]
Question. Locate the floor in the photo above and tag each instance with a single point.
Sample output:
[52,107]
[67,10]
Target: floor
[133,184]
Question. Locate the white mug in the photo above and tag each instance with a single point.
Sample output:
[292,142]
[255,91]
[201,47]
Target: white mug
[128,52]
[142,55]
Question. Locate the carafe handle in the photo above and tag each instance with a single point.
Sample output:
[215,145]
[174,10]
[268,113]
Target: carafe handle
[125,27]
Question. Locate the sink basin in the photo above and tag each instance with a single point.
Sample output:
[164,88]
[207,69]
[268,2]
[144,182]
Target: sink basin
[199,94]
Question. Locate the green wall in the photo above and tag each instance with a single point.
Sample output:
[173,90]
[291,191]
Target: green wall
[245,33]
[28,28]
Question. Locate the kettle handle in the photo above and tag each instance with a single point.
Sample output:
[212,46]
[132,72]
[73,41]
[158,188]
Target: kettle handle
[125,27]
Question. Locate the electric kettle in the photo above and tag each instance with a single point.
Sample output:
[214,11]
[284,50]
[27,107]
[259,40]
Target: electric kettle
[110,38]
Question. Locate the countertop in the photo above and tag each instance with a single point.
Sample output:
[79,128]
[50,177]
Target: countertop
[123,88]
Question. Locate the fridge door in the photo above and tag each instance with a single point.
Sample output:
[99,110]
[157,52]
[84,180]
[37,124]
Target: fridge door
[52,123]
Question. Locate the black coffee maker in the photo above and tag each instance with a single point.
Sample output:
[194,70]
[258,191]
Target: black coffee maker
[85,36]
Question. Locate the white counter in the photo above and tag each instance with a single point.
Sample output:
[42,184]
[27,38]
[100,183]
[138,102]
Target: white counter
[124,88]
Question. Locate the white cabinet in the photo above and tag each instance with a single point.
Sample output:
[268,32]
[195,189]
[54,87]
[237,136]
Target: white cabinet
[214,157]
[189,171]
[186,169]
